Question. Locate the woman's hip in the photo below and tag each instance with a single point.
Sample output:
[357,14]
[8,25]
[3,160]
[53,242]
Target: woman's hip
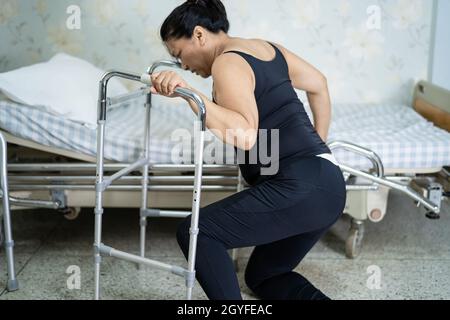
[313,171]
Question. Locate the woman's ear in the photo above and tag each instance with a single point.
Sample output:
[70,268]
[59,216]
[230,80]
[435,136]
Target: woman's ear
[200,35]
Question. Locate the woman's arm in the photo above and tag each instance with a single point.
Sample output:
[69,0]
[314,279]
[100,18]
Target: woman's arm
[234,116]
[307,78]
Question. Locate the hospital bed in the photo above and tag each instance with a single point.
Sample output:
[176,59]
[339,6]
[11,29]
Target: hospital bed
[54,160]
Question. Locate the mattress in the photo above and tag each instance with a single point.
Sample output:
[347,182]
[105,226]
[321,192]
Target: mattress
[124,129]
[400,136]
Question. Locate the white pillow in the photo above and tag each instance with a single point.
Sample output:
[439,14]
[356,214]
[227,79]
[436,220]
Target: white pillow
[67,85]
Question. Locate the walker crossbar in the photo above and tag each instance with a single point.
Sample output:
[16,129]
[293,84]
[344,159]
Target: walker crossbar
[111,252]
[107,182]
[102,184]
[155,213]
[126,97]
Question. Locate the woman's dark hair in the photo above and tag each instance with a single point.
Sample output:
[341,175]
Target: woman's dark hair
[209,14]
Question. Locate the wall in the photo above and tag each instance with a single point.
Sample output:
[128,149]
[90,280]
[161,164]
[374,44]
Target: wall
[361,64]
[441,48]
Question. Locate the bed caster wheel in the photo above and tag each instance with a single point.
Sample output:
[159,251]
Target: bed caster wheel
[353,244]
[71,213]
[433,216]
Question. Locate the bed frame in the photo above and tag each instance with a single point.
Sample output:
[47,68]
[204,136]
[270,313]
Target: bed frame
[65,181]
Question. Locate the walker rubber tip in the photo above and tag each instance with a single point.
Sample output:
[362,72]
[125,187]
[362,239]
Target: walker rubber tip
[13,285]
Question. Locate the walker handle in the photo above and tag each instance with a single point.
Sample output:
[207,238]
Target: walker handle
[183,92]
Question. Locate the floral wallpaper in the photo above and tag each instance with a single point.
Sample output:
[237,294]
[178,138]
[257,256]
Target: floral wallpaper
[371,51]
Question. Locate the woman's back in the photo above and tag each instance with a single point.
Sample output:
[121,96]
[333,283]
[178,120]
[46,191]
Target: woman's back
[279,108]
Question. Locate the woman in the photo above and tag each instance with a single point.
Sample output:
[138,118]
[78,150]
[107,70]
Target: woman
[283,215]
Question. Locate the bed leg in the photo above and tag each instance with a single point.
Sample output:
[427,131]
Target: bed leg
[433,191]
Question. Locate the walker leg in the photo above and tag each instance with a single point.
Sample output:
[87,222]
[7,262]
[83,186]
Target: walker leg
[13,284]
[143,231]
[98,208]
[190,278]
[144,205]
[97,255]
[101,185]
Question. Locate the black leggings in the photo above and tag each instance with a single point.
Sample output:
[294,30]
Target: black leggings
[284,217]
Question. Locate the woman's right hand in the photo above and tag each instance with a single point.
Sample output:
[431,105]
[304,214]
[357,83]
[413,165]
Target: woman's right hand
[164,83]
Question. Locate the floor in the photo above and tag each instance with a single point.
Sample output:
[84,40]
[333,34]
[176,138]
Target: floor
[406,256]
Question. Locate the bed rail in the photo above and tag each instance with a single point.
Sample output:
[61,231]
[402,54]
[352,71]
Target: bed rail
[380,179]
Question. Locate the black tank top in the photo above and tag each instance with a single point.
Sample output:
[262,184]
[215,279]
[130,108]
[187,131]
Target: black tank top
[279,108]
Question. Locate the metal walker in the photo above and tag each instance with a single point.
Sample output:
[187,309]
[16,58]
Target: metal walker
[102,183]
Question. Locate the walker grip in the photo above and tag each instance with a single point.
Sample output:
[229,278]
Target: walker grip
[146,79]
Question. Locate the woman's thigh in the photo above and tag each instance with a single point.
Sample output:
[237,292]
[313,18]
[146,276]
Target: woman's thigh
[268,212]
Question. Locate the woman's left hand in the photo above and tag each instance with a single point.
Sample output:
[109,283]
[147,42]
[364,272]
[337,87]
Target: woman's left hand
[164,83]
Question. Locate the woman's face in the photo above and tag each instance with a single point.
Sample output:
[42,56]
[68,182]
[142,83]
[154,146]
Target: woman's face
[192,54]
